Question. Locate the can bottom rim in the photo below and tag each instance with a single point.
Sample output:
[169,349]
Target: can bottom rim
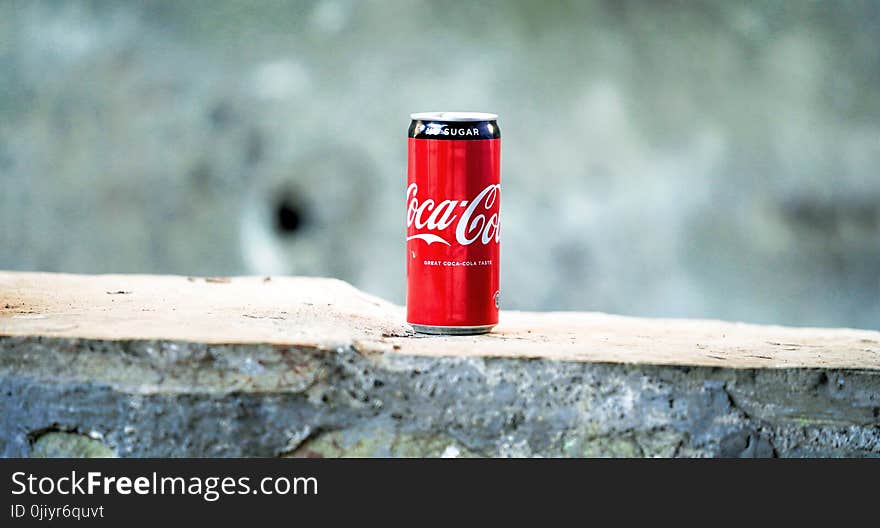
[451,330]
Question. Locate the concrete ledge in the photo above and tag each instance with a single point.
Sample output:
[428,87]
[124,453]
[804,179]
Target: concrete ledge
[176,366]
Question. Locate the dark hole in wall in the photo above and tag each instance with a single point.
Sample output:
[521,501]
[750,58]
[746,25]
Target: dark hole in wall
[35,435]
[290,215]
[221,115]
[825,217]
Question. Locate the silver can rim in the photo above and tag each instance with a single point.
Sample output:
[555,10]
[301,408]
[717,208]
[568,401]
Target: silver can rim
[452,330]
[454,117]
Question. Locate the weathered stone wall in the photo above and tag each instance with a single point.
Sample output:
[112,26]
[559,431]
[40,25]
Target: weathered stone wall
[188,400]
[286,366]
[699,159]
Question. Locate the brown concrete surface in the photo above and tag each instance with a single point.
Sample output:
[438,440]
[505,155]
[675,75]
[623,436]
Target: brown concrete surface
[328,314]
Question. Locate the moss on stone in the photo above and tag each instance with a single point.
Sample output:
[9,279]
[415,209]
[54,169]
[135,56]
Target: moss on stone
[654,443]
[69,445]
[379,442]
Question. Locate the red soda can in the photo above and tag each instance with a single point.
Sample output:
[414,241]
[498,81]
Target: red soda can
[453,200]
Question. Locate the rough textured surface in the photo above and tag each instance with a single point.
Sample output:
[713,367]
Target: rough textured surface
[328,314]
[356,403]
[705,159]
[355,394]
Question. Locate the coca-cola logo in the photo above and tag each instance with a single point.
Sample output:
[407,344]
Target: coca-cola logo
[471,225]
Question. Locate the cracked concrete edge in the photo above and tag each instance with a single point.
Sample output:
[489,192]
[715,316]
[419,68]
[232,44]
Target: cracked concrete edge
[160,366]
[163,367]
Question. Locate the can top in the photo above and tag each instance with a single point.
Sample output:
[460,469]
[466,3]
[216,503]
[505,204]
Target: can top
[457,117]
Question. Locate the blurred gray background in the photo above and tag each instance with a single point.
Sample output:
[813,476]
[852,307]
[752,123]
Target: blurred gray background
[687,159]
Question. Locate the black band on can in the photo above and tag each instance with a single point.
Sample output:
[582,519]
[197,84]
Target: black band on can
[455,130]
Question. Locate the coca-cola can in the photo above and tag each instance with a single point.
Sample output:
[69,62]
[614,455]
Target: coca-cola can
[453,200]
